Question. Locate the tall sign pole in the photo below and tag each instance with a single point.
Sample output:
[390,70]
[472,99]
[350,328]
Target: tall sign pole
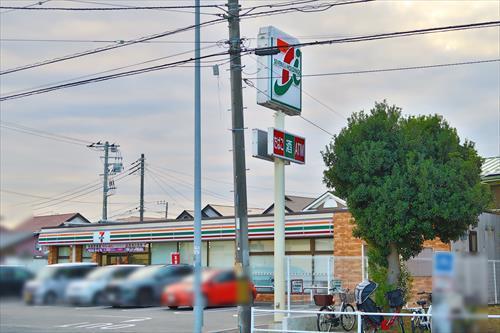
[239,168]
[279,226]
[198,301]
[279,87]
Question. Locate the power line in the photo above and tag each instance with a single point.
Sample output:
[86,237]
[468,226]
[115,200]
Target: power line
[44,197]
[469,26]
[251,84]
[156,36]
[107,48]
[395,69]
[121,8]
[154,176]
[108,71]
[118,41]
[253,50]
[107,77]
[38,3]
[43,134]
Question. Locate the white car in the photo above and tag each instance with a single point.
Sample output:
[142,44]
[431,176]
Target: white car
[90,291]
[49,285]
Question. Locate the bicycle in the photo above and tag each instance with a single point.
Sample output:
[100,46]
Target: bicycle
[327,321]
[372,323]
[422,323]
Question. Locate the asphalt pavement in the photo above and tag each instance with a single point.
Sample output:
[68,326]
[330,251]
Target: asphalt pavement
[16,317]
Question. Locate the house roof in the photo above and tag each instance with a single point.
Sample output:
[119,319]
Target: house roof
[490,171]
[137,219]
[293,203]
[326,201]
[227,210]
[36,223]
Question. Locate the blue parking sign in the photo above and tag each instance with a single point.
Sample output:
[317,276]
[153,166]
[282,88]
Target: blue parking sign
[444,264]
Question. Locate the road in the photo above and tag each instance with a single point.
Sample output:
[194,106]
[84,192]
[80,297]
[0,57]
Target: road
[15,317]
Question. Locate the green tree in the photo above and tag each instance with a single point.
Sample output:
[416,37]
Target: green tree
[406,180]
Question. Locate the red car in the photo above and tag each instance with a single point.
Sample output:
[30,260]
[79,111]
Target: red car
[219,288]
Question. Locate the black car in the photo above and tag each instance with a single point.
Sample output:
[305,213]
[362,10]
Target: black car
[12,279]
[145,285]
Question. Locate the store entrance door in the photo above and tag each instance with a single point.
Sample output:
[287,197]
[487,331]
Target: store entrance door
[116,259]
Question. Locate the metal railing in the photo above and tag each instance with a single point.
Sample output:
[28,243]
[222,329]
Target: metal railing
[359,315]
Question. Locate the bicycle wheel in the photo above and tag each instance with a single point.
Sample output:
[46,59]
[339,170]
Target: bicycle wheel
[416,326]
[348,319]
[401,324]
[325,320]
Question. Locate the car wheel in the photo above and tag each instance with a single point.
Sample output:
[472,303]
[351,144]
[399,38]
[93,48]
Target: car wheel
[145,298]
[99,298]
[50,298]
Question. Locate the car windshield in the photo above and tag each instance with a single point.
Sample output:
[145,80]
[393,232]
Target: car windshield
[46,273]
[101,273]
[145,273]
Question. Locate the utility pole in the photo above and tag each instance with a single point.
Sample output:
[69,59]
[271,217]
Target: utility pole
[164,202]
[105,183]
[117,167]
[198,306]
[141,200]
[239,168]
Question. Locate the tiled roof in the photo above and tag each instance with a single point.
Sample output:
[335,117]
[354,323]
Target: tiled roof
[35,223]
[491,168]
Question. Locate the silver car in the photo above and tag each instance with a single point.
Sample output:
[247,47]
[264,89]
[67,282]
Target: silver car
[49,285]
[90,291]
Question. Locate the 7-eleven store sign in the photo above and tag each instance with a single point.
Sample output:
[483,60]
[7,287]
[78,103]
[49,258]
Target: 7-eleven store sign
[279,79]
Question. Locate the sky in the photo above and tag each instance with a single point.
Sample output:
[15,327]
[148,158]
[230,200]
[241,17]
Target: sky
[153,113]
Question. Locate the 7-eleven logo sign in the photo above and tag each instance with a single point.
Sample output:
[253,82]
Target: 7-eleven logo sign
[100,237]
[288,64]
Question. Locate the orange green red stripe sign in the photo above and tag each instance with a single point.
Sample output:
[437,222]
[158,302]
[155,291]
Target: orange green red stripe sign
[293,229]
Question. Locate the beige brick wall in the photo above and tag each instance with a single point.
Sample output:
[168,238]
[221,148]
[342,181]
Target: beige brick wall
[78,251]
[52,257]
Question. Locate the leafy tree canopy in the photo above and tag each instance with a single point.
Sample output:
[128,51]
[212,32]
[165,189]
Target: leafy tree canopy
[406,179]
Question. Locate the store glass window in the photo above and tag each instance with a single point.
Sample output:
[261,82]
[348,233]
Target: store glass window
[262,271]
[294,245]
[186,250]
[221,254]
[323,244]
[86,255]
[261,245]
[161,253]
[63,254]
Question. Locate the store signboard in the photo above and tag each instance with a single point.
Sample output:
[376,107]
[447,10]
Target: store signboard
[175,258]
[100,237]
[286,146]
[279,78]
[117,248]
[297,286]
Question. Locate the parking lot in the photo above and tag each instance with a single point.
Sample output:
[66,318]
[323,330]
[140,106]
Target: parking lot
[16,317]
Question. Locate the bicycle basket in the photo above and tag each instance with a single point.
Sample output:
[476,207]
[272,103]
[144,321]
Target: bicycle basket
[323,300]
[395,298]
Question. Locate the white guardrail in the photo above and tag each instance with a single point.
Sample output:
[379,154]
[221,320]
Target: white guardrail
[358,314]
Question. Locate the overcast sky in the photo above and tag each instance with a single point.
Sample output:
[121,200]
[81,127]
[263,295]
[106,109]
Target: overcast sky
[153,113]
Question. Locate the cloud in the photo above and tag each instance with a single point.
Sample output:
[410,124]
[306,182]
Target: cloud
[153,113]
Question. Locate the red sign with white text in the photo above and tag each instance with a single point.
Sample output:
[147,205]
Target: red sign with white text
[176,258]
[286,146]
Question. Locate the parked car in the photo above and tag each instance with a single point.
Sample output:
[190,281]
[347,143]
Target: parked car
[219,288]
[49,285]
[12,279]
[91,290]
[144,286]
